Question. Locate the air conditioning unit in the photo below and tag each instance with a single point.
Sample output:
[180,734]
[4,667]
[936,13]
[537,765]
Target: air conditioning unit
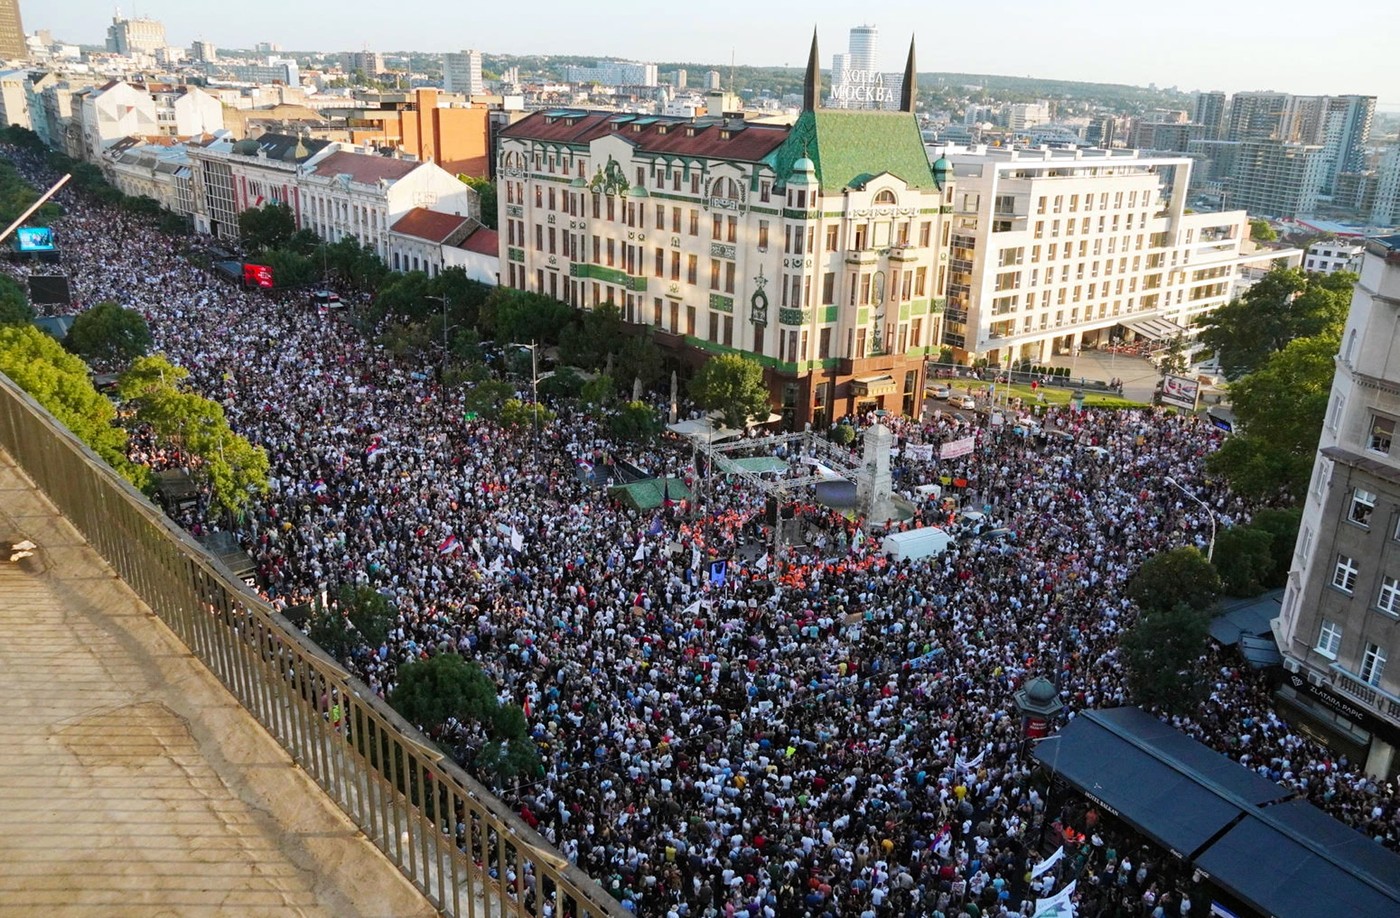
[1315,678]
[1290,664]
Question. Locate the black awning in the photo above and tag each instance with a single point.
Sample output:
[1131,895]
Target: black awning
[1152,776]
[1283,856]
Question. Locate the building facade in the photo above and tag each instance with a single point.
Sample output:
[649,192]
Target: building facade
[1340,620]
[1329,256]
[1052,249]
[135,36]
[1270,178]
[12,43]
[614,73]
[1210,114]
[1385,207]
[461,72]
[817,249]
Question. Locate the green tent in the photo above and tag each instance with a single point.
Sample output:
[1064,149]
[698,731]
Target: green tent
[650,493]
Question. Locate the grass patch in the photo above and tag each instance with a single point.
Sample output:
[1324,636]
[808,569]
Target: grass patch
[1057,396]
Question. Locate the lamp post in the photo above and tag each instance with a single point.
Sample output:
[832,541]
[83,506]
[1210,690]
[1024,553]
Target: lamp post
[1210,549]
[443,301]
[533,348]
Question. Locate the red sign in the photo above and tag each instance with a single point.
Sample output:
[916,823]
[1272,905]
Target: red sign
[257,276]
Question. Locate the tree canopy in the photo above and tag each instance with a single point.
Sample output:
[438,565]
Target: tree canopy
[266,228]
[1261,231]
[109,333]
[235,468]
[1279,410]
[59,381]
[486,191]
[1284,305]
[732,384]
[1161,655]
[14,305]
[524,317]
[1181,576]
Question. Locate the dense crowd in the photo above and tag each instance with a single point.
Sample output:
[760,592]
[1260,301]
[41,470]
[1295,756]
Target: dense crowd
[827,732]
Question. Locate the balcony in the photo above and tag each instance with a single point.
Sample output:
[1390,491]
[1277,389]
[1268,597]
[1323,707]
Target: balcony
[1374,697]
[861,257]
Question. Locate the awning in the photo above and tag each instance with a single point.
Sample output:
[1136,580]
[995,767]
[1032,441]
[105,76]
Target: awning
[1247,618]
[871,386]
[1157,329]
[1279,854]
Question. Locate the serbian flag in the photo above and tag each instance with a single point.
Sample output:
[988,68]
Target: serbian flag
[448,545]
[319,487]
[666,494]
[585,465]
[529,711]
[374,447]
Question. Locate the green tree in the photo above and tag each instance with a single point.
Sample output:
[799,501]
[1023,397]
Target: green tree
[599,334]
[518,414]
[235,469]
[355,265]
[1282,526]
[59,381]
[330,628]
[562,384]
[1173,361]
[597,391]
[1244,560]
[1161,654]
[1284,305]
[109,334]
[1261,231]
[636,421]
[1279,410]
[486,191]
[487,397]
[263,229]
[14,305]
[842,434]
[407,296]
[523,317]
[732,384]
[638,358]
[1169,579]
[370,611]
[290,268]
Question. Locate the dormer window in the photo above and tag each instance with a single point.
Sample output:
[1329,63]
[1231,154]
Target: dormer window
[662,128]
[636,129]
[885,197]
[724,135]
[690,132]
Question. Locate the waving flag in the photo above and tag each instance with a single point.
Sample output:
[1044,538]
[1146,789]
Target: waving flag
[448,545]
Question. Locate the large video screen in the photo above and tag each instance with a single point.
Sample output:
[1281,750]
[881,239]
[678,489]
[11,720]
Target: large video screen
[257,275]
[34,239]
[49,290]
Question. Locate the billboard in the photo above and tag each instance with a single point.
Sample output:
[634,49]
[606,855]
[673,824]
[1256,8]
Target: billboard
[257,276]
[34,239]
[49,290]
[1181,391]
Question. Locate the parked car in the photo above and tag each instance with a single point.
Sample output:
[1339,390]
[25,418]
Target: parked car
[325,299]
[938,390]
[965,402]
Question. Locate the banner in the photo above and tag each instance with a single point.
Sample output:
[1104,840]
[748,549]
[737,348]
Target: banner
[1049,862]
[957,448]
[1180,391]
[1058,905]
[923,452]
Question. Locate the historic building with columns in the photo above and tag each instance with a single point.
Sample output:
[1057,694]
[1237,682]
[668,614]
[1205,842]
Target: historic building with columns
[819,248]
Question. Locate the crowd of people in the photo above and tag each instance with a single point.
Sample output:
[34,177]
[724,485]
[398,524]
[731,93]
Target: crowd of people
[824,732]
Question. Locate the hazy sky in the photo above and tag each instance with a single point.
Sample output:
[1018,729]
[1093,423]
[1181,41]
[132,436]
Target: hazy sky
[1285,45]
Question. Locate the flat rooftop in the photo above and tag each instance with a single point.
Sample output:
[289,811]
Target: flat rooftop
[131,782]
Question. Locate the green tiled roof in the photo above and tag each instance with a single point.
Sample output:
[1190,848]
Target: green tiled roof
[852,147]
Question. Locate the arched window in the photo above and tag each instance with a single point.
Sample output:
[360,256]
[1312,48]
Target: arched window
[886,197]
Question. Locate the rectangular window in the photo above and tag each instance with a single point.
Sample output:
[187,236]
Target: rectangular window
[1363,504]
[925,229]
[831,238]
[675,219]
[692,268]
[763,235]
[824,343]
[1344,574]
[1372,664]
[731,229]
[694,222]
[675,266]
[1329,639]
[714,274]
[1389,598]
[829,288]
[1382,432]
[729,277]
[717,229]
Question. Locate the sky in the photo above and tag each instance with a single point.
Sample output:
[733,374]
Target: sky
[1284,45]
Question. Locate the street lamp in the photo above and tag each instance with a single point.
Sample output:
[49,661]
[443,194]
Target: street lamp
[443,301]
[1210,550]
[533,348]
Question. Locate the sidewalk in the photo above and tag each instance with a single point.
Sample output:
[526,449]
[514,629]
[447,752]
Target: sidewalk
[131,783]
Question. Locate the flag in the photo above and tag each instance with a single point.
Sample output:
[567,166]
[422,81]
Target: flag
[969,765]
[693,608]
[942,843]
[319,487]
[717,571]
[666,493]
[1049,862]
[695,559]
[448,545]
[655,527]
[1058,905]
[762,563]
[526,707]
[641,552]
[517,541]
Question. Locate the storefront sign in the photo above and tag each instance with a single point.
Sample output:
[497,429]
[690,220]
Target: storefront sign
[1343,707]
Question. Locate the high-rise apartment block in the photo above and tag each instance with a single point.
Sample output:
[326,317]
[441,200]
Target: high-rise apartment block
[12,43]
[1276,179]
[815,248]
[1385,210]
[135,36]
[204,52]
[614,73]
[1052,249]
[1340,620]
[461,73]
[1210,114]
[370,63]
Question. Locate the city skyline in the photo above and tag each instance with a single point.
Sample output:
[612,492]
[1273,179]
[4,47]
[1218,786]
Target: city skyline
[1289,50]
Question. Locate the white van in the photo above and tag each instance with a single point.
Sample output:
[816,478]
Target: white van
[916,543]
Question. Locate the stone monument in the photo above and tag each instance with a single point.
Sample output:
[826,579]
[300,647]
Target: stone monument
[873,492]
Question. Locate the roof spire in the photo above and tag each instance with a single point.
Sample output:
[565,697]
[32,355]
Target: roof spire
[812,83]
[908,90]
